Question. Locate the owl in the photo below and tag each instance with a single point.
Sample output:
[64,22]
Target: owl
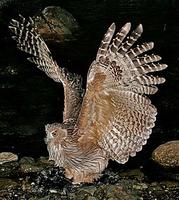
[113,117]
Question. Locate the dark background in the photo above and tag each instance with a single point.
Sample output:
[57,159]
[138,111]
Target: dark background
[29,99]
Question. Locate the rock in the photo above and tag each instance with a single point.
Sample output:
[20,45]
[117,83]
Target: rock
[56,24]
[43,174]
[27,160]
[91,198]
[140,186]
[89,189]
[45,161]
[82,195]
[9,169]
[29,165]
[6,184]
[7,157]
[170,184]
[113,192]
[167,155]
[48,197]
[112,177]
[133,174]
[52,177]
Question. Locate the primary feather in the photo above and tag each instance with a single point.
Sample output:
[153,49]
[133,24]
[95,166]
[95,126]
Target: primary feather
[29,41]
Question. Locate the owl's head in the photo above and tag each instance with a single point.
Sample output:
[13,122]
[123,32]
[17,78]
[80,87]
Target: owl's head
[55,132]
[55,138]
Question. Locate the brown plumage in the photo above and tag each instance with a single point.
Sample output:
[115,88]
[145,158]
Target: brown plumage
[115,118]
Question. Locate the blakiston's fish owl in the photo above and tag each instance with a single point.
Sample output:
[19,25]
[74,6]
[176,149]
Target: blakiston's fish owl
[114,118]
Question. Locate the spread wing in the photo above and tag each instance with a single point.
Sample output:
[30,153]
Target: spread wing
[116,114]
[29,41]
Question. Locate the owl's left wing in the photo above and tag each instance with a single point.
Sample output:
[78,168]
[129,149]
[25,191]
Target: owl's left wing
[116,115]
[28,40]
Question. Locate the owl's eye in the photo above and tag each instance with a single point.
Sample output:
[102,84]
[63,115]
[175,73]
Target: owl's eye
[54,133]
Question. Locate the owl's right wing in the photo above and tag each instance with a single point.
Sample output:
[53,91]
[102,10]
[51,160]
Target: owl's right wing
[29,41]
[116,114]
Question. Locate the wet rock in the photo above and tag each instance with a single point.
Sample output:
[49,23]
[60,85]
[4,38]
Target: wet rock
[6,184]
[162,190]
[170,184]
[7,157]
[48,197]
[50,183]
[112,177]
[27,160]
[28,165]
[56,24]
[87,190]
[41,176]
[113,192]
[167,155]
[91,198]
[45,161]
[140,186]
[52,178]
[134,174]
[9,169]
[83,195]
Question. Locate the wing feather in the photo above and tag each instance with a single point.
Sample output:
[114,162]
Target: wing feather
[131,40]
[29,41]
[103,48]
[120,36]
[115,113]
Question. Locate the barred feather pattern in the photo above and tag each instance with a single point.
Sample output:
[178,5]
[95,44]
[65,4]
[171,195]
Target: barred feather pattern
[125,65]
[121,117]
[115,118]
[28,40]
[83,165]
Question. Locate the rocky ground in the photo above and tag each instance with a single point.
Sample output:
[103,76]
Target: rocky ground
[38,179]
